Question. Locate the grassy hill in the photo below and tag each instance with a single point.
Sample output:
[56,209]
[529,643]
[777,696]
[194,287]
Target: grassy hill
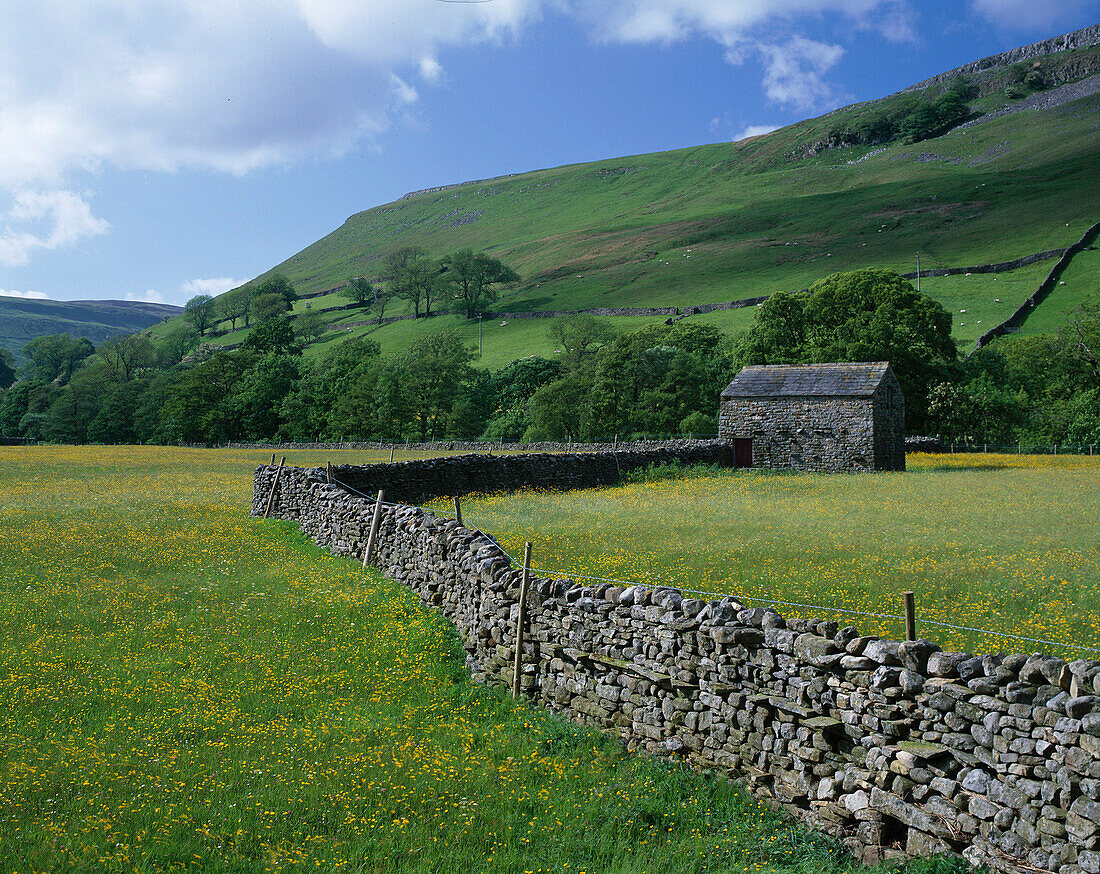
[23,320]
[734,220]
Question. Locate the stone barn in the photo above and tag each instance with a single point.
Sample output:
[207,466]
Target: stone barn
[828,417]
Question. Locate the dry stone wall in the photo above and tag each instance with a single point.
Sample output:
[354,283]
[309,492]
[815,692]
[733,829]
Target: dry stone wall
[897,748]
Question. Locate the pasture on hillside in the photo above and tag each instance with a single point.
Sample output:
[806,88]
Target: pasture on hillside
[186,688]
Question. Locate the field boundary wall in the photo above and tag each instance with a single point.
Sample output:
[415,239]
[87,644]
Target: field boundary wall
[897,748]
[1019,316]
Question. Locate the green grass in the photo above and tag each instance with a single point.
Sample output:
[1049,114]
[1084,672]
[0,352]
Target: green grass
[1004,543]
[1080,279]
[983,300]
[186,688]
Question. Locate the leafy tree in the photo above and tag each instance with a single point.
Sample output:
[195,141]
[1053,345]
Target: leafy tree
[273,335]
[56,357]
[200,311]
[1079,337]
[200,405]
[74,407]
[580,337]
[115,420]
[278,284]
[382,296]
[176,344]
[413,276]
[124,357]
[259,394]
[233,305]
[311,325]
[7,368]
[358,291]
[263,307]
[472,277]
[699,424]
[430,376]
[557,408]
[865,315]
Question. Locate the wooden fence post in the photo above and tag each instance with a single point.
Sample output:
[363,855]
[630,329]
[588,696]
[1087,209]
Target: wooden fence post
[910,617]
[521,620]
[369,551]
[274,485]
[329,471]
[458,512]
[391,453]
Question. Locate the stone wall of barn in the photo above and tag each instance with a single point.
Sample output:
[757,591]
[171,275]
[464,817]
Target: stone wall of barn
[888,411]
[823,434]
[897,748]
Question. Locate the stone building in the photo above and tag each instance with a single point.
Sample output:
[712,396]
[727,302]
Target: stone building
[828,417]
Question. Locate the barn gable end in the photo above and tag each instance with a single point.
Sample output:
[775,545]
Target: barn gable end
[826,417]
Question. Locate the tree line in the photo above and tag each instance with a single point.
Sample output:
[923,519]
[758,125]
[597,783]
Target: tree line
[464,282]
[599,383]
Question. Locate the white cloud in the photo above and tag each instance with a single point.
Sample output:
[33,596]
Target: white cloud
[794,72]
[726,21]
[45,220]
[210,286]
[755,130]
[224,86]
[150,295]
[1024,14]
[430,70]
[26,295]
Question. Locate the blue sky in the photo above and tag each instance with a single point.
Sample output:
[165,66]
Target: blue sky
[153,150]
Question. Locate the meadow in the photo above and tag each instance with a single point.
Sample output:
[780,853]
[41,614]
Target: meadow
[1003,543]
[186,688]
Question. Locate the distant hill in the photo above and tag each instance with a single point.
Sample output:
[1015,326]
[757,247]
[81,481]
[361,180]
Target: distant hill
[22,320]
[1014,172]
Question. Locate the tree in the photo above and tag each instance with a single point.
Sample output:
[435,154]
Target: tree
[266,306]
[201,312]
[124,357]
[233,305]
[1079,337]
[259,394]
[278,284]
[358,291]
[311,325]
[431,375]
[176,344]
[412,276]
[7,368]
[56,357]
[200,407]
[555,408]
[472,277]
[580,337]
[382,297]
[273,335]
[865,315]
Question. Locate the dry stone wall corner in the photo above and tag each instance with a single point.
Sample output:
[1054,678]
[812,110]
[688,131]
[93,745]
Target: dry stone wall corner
[895,747]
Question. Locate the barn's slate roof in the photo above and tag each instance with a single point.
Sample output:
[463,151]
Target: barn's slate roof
[807,380]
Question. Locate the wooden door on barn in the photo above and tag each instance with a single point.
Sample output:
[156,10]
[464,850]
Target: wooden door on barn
[742,452]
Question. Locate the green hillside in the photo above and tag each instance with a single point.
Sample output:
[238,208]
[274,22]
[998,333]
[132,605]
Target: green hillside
[729,221]
[22,320]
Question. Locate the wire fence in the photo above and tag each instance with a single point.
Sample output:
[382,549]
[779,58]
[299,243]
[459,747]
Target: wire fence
[820,608]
